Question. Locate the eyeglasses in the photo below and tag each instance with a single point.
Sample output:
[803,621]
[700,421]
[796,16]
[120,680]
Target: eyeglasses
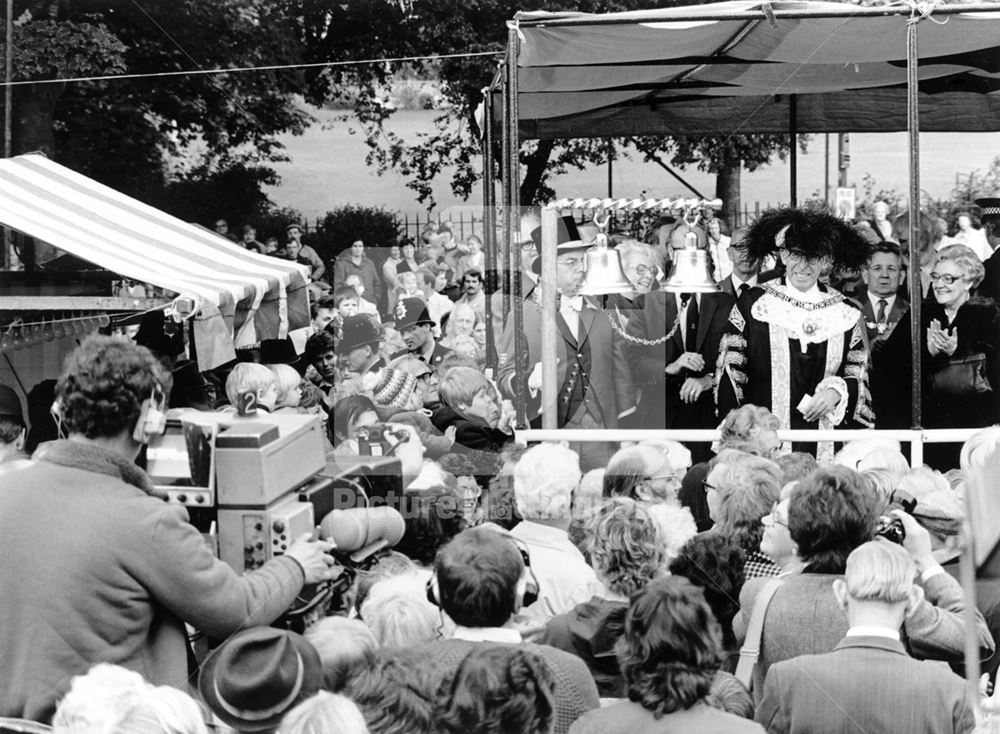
[665,477]
[641,270]
[706,486]
[771,518]
[528,245]
[946,279]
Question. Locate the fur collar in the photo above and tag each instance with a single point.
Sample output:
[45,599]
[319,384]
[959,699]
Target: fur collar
[89,457]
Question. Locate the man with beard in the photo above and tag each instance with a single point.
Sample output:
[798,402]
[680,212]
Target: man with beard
[415,324]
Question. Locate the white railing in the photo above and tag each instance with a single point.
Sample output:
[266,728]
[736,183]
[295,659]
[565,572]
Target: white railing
[916,438]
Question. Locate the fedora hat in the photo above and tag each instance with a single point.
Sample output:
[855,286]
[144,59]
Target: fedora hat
[357,331]
[258,675]
[412,312]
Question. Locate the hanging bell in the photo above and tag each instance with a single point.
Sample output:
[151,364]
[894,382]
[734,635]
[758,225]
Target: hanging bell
[690,273]
[603,274]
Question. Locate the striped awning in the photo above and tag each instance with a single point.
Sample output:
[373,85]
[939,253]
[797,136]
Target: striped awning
[241,297]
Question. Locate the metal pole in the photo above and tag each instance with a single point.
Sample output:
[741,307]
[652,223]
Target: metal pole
[489,221]
[513,215]
[506,235]
[8,115]
[916,289]
[826,172]
[611,155]
[550,329]
[793,137]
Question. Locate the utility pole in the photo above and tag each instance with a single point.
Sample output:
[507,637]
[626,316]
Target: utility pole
[843,158]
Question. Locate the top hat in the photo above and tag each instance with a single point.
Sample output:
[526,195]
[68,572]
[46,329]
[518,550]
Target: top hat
[568,235]
[412,312]
[357,331]
[278,351]
[10,404]
[989,206]
[258,675]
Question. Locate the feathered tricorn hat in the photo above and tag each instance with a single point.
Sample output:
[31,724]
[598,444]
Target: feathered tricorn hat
[813,234]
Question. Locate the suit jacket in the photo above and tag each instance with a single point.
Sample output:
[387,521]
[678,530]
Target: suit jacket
[891,374]
[610,379]
[661,405]
[726,285]
[804,618]
[867,684]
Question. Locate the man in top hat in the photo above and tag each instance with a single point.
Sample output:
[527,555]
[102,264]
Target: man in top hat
[675,372]
[415,324]
[594,380]
[990,217]
[12,432]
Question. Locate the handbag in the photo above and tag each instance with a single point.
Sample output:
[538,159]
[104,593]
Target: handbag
[962,377]
[750,650]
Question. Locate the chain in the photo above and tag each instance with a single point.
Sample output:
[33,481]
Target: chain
[636,340]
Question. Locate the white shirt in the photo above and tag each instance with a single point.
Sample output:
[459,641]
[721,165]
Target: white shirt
[862,630]
[501,635]
[565,579]
[974,239]
[889,300]
[570,315]
[750,283]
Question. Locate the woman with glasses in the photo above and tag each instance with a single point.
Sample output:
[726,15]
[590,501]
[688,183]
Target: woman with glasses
[961,351]
[795,346]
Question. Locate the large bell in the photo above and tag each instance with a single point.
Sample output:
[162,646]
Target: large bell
[604,274]
[690,273]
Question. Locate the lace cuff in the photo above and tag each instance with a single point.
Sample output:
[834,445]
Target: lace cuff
[838,385]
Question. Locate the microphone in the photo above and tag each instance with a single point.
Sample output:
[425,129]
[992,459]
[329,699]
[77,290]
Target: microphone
[351,530]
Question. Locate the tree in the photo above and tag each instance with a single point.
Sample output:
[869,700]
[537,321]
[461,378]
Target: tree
[375,28]
[127,133]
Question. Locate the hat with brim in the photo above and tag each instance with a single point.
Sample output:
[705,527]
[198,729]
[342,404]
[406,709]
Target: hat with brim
[10,404]
[258,675]
[567,235]
[989,206]
[412,312]
[278,351]
[414,365]
[357,331]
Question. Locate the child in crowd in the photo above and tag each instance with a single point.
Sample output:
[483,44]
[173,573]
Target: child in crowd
[471,404]
[254,384]
[289,388]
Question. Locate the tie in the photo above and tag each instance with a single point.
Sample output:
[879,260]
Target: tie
[691,324]
[880,317]
[743,289]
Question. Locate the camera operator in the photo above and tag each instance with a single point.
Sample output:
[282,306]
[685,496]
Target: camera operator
[98,567]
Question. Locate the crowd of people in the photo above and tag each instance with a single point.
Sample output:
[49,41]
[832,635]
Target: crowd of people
[749,585]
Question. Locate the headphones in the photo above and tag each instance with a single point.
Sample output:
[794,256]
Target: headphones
[531,588]
[152,419]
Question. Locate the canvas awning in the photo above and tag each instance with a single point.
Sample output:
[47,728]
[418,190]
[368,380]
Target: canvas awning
[240,297]
[660,72]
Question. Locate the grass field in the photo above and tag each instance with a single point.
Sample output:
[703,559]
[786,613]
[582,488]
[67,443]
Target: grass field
[327,168]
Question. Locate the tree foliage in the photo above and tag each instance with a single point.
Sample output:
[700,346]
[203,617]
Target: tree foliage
[131,133]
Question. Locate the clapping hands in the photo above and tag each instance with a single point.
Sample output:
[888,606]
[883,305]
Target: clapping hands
[941,341]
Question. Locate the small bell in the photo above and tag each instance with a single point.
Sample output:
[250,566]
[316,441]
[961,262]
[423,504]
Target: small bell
[690,273]
[604,274]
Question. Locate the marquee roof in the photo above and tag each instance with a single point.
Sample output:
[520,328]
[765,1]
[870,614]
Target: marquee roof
[732,67]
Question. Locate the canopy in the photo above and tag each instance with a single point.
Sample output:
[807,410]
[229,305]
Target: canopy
[726,68]
[239,297]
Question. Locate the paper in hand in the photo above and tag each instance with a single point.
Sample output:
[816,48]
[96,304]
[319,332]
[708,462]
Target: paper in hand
[804,404]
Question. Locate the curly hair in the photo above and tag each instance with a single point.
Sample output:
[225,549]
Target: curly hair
[396,694]
[671,647]
[743,425]
[830,513]
[104,384]
[748,487]
[625,548]
[319,344]
[965,259]
[496,690]
[433,517]
[716,564]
